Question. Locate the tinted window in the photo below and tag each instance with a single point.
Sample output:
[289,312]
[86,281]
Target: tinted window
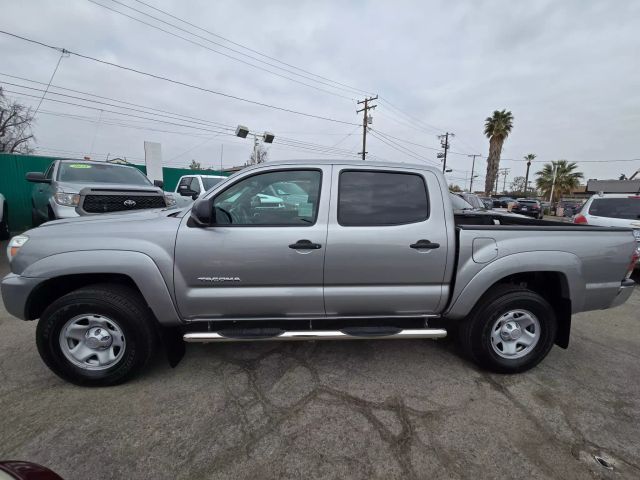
[94,172]
[380,198]
[195,185]
[628,208]
[209,183]
[49,172]
[251,201]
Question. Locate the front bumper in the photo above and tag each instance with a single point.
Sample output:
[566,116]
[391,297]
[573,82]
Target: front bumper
[15,293]
[624,292]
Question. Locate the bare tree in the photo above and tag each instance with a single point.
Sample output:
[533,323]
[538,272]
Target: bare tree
[195,165]
[258,155]
[15,126]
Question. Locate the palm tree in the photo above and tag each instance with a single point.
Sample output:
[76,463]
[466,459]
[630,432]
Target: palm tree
[497,128]
[529,158]
[566,178]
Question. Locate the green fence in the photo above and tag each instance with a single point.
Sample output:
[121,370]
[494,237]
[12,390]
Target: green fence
[17,190]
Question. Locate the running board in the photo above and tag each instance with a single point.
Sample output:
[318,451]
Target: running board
[291,335]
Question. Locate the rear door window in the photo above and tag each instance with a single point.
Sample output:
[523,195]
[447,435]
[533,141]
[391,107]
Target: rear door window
[195,185]
[627,208]
[368,198]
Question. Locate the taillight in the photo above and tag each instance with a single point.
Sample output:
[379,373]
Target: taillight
[580,219]
[634,259]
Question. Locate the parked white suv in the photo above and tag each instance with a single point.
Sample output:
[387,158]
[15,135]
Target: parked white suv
[612,210]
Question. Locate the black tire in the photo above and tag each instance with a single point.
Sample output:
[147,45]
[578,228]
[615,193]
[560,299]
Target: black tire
[51,215]
[5,230]
[120,303]
[475,331]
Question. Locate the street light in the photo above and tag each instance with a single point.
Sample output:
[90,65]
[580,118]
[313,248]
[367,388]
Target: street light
[266,137]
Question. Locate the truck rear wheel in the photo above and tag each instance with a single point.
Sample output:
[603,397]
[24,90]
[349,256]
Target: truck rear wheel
[509,331]
[99,335]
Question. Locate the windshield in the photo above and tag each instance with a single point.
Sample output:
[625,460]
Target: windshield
[96,173]
[459,203]
[209,182]
[627,208]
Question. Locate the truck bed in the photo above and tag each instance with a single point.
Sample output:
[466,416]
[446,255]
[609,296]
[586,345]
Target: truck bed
[492,246]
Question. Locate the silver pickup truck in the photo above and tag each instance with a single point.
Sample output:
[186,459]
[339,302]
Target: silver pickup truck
[366,251]
[69,188]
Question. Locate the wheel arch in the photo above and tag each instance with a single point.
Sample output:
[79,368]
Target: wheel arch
[66,272]
[554,275]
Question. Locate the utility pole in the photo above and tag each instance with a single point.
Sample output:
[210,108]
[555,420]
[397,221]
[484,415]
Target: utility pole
[505,172]
[473,166]
[366,119]
[444,142]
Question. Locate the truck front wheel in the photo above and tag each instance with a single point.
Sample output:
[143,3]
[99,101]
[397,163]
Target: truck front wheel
[511,330]
[99,335]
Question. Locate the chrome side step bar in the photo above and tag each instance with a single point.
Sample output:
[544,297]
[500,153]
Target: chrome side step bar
[292,335]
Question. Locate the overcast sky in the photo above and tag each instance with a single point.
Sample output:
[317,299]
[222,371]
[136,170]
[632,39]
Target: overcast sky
[569,71]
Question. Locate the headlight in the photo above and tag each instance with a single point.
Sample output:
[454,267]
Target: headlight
[67,199]
[169,200]
[14,245]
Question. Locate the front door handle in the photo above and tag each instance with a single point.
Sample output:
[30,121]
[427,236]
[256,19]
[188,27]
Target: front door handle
[305,245]
[424,245]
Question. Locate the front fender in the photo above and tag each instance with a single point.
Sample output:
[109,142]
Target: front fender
[466,295]
[137,266]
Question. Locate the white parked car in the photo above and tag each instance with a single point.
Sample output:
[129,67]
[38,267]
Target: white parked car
[190,187]
[612,210]
[4,218]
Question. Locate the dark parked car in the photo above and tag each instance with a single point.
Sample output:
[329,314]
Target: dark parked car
[488,202]
[505,201]
[529,207]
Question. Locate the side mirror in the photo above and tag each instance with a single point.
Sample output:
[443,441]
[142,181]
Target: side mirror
[158,183]
[185,191]
[37,177]
[202,213]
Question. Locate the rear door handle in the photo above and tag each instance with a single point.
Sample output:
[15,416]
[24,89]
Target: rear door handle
[424,245]
[305,245]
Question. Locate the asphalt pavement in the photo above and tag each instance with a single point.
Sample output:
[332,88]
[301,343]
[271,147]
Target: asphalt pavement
[333,410]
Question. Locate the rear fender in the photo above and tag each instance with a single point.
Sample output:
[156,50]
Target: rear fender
[467,296]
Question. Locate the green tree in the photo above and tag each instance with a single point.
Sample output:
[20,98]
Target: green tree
[195,165]
[497,128]
[566,178]
[455,188]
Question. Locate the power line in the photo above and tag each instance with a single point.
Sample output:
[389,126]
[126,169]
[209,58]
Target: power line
[197,121]
[178,82]
[399,148]
[413,153]
[188,117]
[209,48]
[354,89]
[411,117]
